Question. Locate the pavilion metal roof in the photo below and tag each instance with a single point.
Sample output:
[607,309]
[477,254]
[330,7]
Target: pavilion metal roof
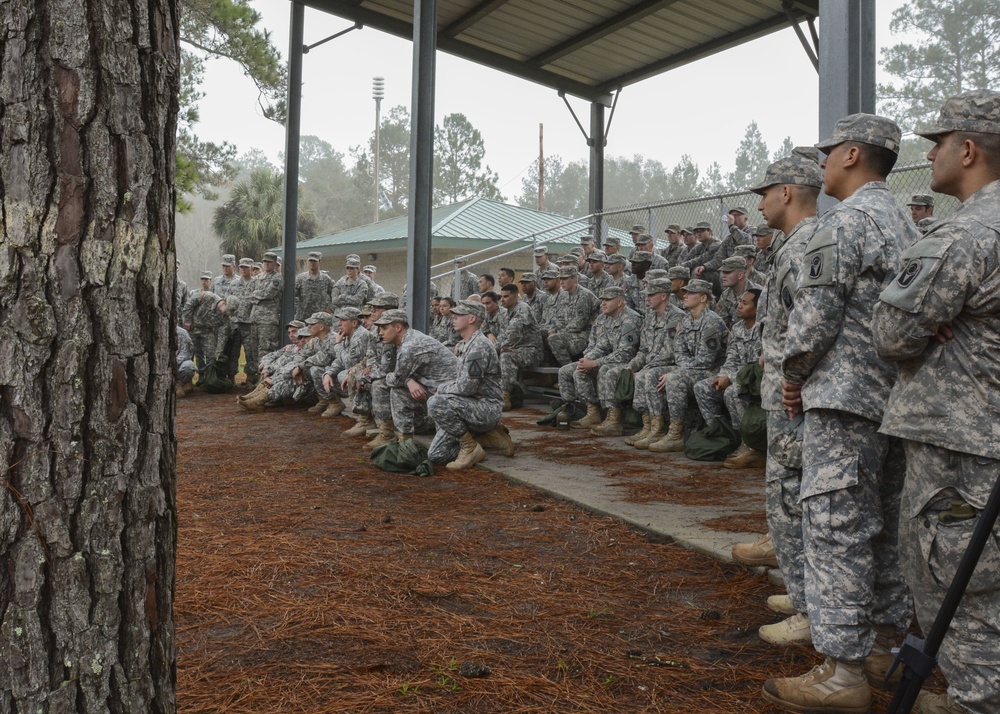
[588,48]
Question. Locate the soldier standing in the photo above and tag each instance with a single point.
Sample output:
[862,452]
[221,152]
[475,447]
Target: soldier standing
[265,310]
[239,305]
[352,290]
[674,252]
[313,288]
[940,320]
[851,475]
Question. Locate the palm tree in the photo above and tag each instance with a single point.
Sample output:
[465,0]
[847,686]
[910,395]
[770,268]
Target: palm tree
[250,222]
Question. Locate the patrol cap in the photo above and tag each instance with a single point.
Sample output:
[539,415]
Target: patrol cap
[323,317]
[616,258]
[470,307]
[352,262]
[612,240]
[577,251]
[641,256]
[390,316]
[304,332]
[679,272]
[977,112]
[246,262]
[698,286]
[739,209]
[366,311]
[567,259]
[745,251]
[921,199]
[596,256]
[354,256]
[258,265]
[347,312]
[733,262]
[541,250]
[702,226]
[864,129]
[674,228]
[206,275]
[795,170]
[458,259]
[527,278]
[658,285]
[644,239]
[763,230]
[586,240]
[389,300]
[637,229]
[550,274]
[297,324]
[655,273]
[315,255]
[568,271]
[229,259]
[688,229]
[612,292]
[806,152]
[270,257]
[369,269]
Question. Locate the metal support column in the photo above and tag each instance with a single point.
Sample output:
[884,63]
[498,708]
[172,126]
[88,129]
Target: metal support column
[291,218]
[846,64]
[598,140]
[418,240]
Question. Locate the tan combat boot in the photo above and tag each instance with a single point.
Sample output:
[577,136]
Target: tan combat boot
[877,663]
[655,432]
[408,436]
[833,687]
[497,438]
[612,424]
[506,401]
[386,435]
[179,391]
[256,402]
[469,454]
[781,604]
[334,407]
[319,407]
[745,458]
[643,432]
[758,553]
[792,630]
[937,703]
[673,441]
[592,419]
[261,387]
[361,426]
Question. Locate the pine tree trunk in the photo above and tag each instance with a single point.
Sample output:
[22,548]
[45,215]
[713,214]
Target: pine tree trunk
[88,105]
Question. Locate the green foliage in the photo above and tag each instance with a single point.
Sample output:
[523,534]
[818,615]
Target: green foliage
[956,48]
[394,164]
[458,163]
[250,222]
[752,158]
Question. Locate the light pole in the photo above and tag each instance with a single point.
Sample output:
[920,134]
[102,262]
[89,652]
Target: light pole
[378,91]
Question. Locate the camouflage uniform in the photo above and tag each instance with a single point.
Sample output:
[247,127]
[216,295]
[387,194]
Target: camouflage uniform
[654,358]
[347,353]
[635,293]
[945,406]
[381,360]
[422,358]
[312,294]
[239,306]
[221,285]
[202,313]
[351,293]
[520,346]
[700,253]
[699,347]
[850,476]
[536,304]
[674,253]
[743,349]
[613,343]
[468,285]
[599,283]
[265,313]
[180,299]
[471,401]
[495,324]
[725,307]
[185,368]
[228,337]
[570,329]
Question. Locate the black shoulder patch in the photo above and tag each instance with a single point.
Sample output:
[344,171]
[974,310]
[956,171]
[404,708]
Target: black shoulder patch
[909,272]
[816,266]
[786,298]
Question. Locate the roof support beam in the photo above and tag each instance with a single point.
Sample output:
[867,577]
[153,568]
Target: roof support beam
[602,29]
[598,140]
[483,9]
[290,222]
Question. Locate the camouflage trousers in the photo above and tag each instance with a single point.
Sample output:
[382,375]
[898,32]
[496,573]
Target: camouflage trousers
[930,552]
[381,401]
[714,404]
[252,360]
[647,398]
[185,372]
[512,362]
[454,415]
[230,342]
[677,391]
[363,402]
[205,347]
[607,381]
[316,375]
[284,389]
[568,346]
[264,339]
[408,415]
[852,477]
[782,486]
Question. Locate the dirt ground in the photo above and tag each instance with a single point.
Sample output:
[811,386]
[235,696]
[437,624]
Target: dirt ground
[309,581]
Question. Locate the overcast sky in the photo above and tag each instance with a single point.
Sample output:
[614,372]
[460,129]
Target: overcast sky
[701,109]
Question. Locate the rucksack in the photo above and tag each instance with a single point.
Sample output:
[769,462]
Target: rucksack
[714,442]
[405,457]
[214,378]
[753,428]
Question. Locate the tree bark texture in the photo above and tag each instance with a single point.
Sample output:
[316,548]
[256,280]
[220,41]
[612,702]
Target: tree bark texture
[88,105]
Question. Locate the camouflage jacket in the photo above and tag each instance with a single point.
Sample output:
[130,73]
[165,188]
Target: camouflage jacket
[947,394]
[616,340]
[743,348]
[727,246]
[239,301]
[700,344]
[266,299]
[495,324]
[656,343]
[600,282]
[185,346]
[202,313]
[700,253]
[574,312]
[422,358]
[674,253]
[350,293]
[521,332]
[312,294]
[350,351]
[726,305]
[853,255]
[222,286]
[536,304]
[476,372]
[775,304]
[468,285]
[381,356]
